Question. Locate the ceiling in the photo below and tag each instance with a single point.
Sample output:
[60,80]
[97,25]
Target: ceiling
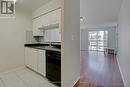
[99,12]
[30,5]
[95,12]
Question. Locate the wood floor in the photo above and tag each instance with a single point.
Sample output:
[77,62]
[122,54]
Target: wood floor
[99,70]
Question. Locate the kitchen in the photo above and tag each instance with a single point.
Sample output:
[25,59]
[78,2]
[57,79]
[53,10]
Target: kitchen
[40,44]
[43,43]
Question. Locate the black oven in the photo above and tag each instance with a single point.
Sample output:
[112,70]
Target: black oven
[53,67]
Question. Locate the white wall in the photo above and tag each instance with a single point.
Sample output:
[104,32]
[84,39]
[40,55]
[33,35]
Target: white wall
[124,41]
[71,43]
[112,37]
[12,38]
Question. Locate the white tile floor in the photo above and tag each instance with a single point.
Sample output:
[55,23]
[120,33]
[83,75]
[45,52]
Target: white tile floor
[23,78]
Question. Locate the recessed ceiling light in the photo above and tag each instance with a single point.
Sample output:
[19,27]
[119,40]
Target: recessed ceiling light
[14,1]
[81,19]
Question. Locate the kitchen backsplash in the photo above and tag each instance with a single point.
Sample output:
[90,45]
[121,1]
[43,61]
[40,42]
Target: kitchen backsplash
[31,39]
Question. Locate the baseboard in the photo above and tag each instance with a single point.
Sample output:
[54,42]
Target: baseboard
[12,70]
[121,72]
[76,81]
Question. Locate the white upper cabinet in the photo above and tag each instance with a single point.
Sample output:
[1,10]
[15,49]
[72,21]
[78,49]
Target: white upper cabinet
[36,25]
[45,20]
[48,20]
[48,36]
[52,35]
[51,19]
[55,17]
[55,36]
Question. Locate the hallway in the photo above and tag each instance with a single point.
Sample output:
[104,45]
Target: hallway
[99,70]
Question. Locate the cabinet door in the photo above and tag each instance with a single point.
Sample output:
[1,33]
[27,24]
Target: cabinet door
[36,25]
[55,35]
[45,20]
[48,36]
[52,35]
[28,59]
[34,56]
[56,18]
[42,62]
[26,56]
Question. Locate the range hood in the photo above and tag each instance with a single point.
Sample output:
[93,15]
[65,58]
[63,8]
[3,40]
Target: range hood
[51,26]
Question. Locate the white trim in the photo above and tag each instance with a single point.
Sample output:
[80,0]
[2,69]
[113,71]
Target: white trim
[121,72]
[71,83]
[13,70]
[76,81]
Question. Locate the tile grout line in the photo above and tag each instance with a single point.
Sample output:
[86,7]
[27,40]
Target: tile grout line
[22,80]
[2,82]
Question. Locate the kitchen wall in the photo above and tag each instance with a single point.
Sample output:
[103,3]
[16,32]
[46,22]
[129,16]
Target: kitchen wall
[31,39]
[124,41]
[112,36]
[12,38]
[71,43]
